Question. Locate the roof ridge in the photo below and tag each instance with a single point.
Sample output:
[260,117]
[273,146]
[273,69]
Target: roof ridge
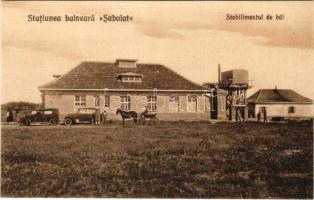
[62,75]
[300,95]
[182,76]
[100,62]
[150,64]
[258,94]
[110,62]
[48,83]
[281,96]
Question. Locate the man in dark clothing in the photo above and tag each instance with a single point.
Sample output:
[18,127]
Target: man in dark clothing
[9,117]
[265,115]
[103,117]
[97,116]
[259,116]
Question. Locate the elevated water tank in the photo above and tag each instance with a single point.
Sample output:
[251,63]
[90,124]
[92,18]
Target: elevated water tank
[235,77]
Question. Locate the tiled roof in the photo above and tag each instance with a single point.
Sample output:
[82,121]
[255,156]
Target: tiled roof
[101,75]
[277,96]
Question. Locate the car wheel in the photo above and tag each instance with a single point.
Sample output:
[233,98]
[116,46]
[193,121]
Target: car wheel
[68,121]
[23,122]
[53,121]
[31,118]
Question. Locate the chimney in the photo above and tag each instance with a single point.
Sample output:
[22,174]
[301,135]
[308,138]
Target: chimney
[126,63]
[276,89]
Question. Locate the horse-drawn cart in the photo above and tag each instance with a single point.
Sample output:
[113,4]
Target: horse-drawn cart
[148,117]
[144,117]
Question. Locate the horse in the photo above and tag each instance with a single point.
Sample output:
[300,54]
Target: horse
[127,114]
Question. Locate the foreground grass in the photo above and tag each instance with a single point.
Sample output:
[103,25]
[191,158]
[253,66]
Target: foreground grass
[223,160]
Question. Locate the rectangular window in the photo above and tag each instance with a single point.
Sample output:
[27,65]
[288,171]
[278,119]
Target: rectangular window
[174,105]
[291,109]
[47,112]
[131,78]
[192,103]
[125,103]
[174,99]
[151,103]
[192,98]
[80,100]
[107,101]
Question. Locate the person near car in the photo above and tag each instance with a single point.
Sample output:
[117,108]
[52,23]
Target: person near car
[103,117]
[97,116]
[17,115]
[9,117]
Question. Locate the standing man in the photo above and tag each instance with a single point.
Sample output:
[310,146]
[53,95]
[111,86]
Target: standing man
[259,116]
[103,117]
[97,116]
[265,115]
[9,117]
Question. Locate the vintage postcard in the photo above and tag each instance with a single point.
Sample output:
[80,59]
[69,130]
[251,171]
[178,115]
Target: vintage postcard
[175,99]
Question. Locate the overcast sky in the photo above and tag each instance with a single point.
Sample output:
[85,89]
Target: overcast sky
[189,37]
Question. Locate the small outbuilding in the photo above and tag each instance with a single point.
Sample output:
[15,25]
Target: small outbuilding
[280,103]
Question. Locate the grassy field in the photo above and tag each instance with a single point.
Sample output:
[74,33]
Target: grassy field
[190,160]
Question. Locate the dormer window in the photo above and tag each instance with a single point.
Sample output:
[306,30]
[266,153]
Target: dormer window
[130,77]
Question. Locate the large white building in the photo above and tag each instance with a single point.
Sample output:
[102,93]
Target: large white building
[128,85]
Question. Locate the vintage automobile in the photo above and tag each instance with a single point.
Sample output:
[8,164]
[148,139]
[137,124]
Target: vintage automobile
[82,116]
[48,115]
